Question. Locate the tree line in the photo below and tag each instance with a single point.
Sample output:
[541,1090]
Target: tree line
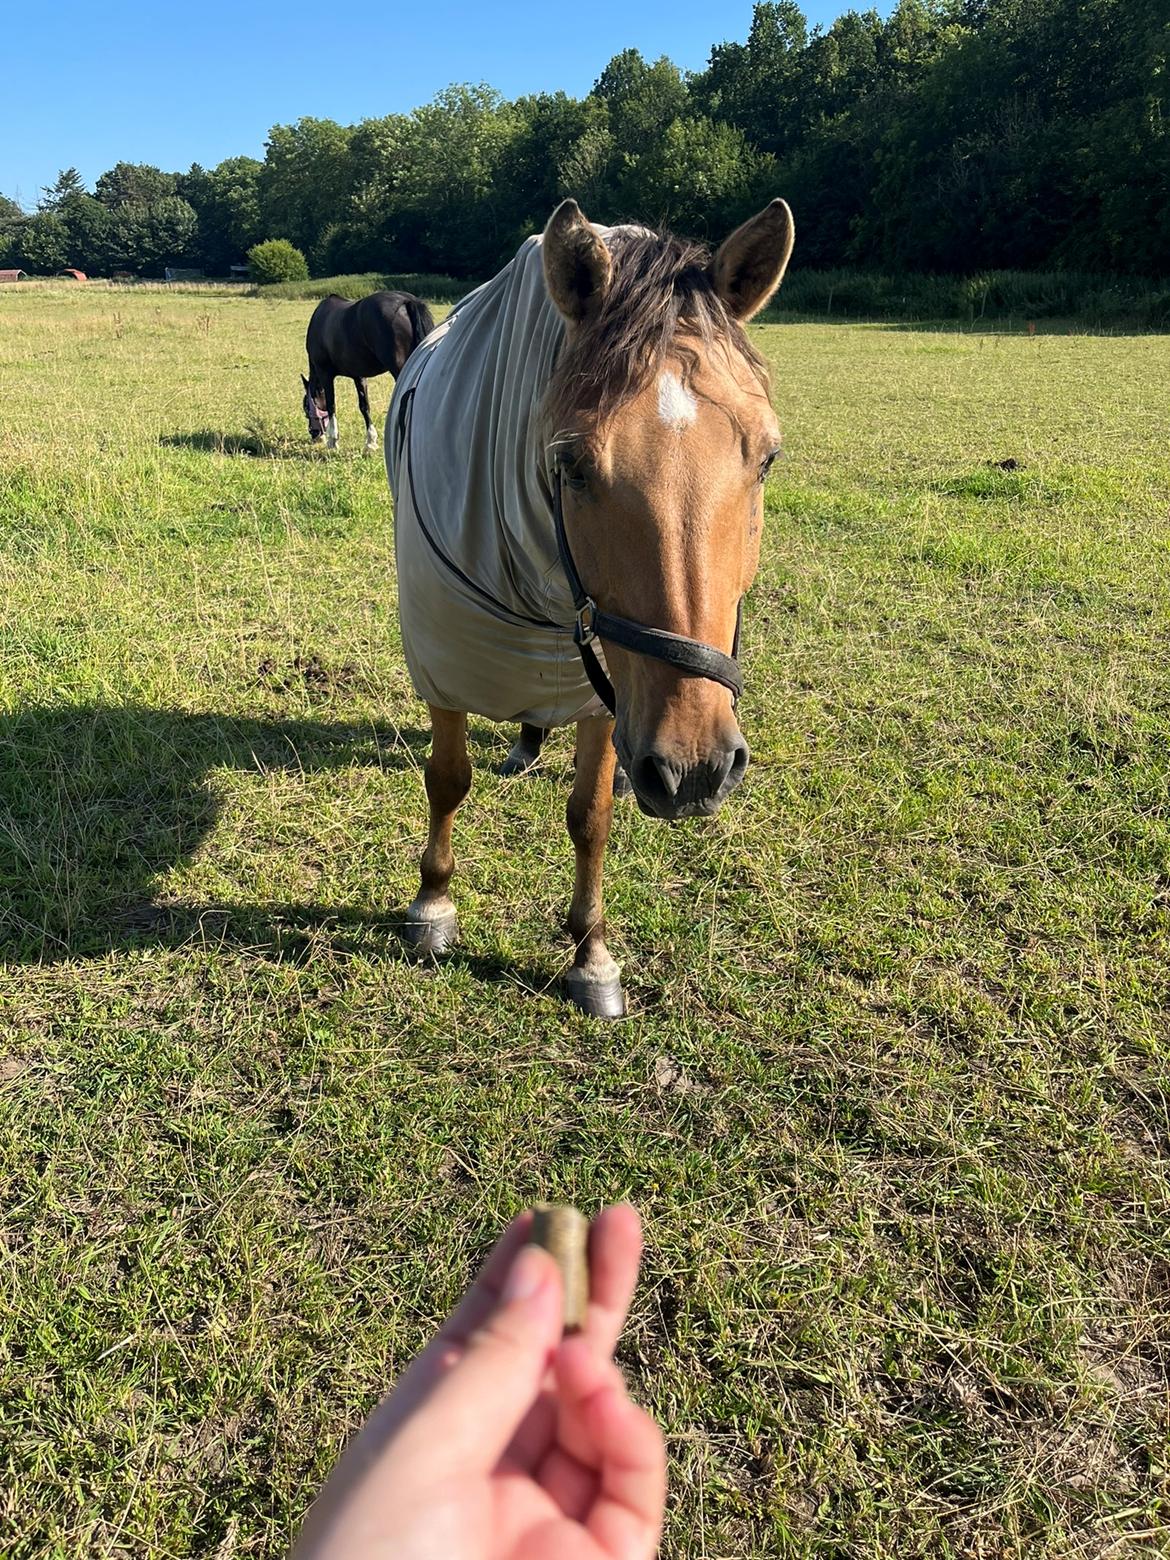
[952,136]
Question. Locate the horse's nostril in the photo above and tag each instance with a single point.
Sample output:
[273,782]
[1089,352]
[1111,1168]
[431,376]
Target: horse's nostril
[736,764]
[655,779]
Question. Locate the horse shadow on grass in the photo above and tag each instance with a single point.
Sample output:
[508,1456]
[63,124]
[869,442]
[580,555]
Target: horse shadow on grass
[257,443]
[97,801]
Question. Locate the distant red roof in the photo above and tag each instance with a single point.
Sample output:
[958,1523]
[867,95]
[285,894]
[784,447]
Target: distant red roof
[12,276]
[78,276]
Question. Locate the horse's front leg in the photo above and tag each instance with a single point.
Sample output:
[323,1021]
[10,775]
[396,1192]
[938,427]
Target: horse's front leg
[594,981]
[331,411]
[363,395]
[431,924]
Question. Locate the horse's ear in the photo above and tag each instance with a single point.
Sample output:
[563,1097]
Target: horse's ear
[577,265]
[749,266]
[305,382]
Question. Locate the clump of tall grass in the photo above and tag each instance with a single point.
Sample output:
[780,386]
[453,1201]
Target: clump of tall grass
[990,295]
[424,284]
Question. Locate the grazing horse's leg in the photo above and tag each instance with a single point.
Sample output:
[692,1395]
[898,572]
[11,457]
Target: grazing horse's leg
[363,394]
[594,982]
[525,751]
[331,408]
[430,922]
[524,754]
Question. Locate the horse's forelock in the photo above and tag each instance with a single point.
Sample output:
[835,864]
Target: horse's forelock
[661,303]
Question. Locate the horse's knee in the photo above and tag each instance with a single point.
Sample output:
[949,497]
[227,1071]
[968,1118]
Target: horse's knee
[588,820]
[447,785]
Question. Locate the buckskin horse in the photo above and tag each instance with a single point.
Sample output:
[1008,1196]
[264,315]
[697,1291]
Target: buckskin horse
[577,457]
[358,340]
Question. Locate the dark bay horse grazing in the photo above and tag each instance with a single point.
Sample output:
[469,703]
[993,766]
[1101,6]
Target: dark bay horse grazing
[358,340]
[577,457]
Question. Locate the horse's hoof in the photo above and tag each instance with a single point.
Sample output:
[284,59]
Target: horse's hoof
[599,998]
[431,935]
[621,783]
[520,759]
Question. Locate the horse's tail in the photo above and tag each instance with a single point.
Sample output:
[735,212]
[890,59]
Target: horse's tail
[422,321]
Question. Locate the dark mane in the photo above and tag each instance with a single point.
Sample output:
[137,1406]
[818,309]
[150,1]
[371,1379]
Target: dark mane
[660,295]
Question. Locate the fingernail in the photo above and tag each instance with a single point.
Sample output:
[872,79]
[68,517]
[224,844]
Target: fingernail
[526,1275]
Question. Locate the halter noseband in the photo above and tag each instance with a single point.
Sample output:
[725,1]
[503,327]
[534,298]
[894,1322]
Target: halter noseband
[686,655]
[314,413]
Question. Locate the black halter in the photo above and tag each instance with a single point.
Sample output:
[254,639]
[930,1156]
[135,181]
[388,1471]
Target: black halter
[590,622]
[686,655]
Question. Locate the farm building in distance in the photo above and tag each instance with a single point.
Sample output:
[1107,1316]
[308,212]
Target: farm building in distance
[181,273]
[71,273]
[13,276]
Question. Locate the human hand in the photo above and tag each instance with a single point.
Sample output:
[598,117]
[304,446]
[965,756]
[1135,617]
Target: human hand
[501,1441]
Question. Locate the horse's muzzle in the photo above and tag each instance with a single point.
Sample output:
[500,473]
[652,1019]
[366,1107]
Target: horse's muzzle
[666,789]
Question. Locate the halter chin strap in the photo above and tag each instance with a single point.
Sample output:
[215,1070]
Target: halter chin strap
[686,655]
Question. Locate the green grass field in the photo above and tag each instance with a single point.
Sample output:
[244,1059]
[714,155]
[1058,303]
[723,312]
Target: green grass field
[892,1095]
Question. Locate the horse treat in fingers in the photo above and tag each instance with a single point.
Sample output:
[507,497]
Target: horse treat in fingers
[564,1234]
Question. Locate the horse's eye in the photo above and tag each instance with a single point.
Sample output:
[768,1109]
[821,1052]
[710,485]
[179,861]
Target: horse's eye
[767,463]
[574,472]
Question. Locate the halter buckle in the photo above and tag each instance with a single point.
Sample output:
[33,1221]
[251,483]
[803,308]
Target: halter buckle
[583,630]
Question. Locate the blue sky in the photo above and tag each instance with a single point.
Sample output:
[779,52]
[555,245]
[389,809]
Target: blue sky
[88,83]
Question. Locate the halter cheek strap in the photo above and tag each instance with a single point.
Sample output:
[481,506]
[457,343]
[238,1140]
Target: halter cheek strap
[591,623]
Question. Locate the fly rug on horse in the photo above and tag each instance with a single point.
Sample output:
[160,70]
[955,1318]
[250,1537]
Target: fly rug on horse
[358,340]
[577,458]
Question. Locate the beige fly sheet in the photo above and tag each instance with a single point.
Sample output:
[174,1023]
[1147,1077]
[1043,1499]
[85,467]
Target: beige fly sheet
[484,604]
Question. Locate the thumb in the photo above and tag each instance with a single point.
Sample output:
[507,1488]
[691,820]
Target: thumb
[471,1416]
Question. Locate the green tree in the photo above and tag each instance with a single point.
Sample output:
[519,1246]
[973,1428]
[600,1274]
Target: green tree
[306,180]
[698,176]
[759,86]
[841,69]
[11,218]
[375,231]
[558,146]
[134,184]
[41,244]
[148,238]
[90,228]
[448,189]
[587,168]
[1131,128]
[67,186]
[226,202]
[277,260]
[641,99]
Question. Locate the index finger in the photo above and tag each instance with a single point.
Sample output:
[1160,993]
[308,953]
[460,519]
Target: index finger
[483,1296]
[448,1344]
[615,1251]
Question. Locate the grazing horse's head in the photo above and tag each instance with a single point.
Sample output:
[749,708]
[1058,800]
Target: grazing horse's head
[313,406]
[660,414]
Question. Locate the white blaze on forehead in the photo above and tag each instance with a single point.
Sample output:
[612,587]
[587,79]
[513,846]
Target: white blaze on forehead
[677,407]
